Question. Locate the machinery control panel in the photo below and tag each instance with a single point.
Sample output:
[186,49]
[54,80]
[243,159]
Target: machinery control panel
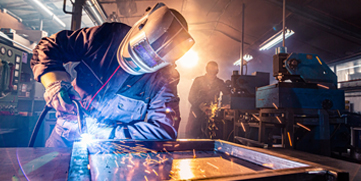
[11,61]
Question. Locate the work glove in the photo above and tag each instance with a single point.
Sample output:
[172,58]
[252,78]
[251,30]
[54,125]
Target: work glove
[59,95]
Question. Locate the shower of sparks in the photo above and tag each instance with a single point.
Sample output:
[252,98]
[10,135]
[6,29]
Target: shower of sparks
[256,117]
[244,129]
[289,138]
[303,126]
[279,120]
[275,105]
[213,165]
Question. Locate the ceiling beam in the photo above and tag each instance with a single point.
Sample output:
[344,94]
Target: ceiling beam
[329,24]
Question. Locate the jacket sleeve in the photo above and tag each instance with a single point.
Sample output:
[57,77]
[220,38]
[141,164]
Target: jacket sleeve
[52,52]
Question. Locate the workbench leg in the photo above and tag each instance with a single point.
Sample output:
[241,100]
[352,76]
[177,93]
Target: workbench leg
[261,129]
[324,128]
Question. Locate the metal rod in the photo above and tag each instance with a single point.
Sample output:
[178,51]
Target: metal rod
[284,23]
[41,24]
[242,45]
[76,15]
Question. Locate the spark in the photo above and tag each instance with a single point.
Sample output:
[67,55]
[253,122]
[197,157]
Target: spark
[289,138]
[275,105]
[303,126]
[213,165]
[155,172]
[145,178]
[194,153]
[176,145]
[279,120]
[88,167]
[194,114]
[129,86]
[268,165]
[219,148]
[244,129]
[117,164]
[226,153]
[147,171]
[323,86]
[130,166]
[168,110]
[256,117]
[167,145]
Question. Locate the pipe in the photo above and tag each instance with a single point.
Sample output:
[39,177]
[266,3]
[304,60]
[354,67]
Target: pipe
[21,45]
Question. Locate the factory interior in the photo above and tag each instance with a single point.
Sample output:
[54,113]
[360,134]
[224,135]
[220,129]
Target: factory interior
[292,109]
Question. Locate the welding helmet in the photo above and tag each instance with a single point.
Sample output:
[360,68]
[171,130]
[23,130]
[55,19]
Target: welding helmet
[158,39]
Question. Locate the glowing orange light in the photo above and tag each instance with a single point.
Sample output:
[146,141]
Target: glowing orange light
[279,120]
[244,129]
[323,86]
[289,138]
[275,105]
[303,126]
[256,117]
[189,60]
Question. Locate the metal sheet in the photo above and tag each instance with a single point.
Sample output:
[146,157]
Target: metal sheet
[183,159]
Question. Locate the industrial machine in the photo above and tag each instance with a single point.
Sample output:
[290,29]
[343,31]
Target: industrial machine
[302,111]
[19,93]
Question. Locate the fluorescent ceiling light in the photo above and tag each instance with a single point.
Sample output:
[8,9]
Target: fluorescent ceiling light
[47,13]
[43,7]
[275,39]
[246,57]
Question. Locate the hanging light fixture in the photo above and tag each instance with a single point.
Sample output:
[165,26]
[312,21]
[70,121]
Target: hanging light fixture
[246,57]
[275,39]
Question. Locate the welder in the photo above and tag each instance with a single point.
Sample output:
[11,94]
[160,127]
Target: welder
[126,77]
[204,92]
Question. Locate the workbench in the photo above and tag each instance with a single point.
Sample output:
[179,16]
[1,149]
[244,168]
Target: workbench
[53,163]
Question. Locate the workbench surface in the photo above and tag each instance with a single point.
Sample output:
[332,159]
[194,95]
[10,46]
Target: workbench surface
[53,163]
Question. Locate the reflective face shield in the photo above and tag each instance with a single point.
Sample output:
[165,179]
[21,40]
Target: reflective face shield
[158,39]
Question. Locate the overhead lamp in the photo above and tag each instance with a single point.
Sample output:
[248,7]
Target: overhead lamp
[45,11]
[275,39]
[246,57]
[189,59]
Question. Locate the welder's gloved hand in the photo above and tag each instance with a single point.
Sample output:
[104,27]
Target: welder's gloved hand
[59,95]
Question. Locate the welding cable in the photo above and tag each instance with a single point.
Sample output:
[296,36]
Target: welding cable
[37,126]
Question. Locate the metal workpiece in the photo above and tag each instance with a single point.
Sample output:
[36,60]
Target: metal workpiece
[187,160]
